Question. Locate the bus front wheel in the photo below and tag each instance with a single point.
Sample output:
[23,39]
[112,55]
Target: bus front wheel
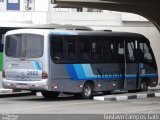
[50,94]
[144,86]
[87,91]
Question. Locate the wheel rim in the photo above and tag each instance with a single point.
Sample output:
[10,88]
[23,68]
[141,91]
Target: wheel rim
[144,86]
[87,90]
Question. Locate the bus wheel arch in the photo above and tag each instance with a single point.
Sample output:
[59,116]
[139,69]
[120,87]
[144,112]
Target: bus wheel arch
[88,89]
[144,84]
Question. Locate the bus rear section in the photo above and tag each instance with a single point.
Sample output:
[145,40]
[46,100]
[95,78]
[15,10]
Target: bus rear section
[24,62]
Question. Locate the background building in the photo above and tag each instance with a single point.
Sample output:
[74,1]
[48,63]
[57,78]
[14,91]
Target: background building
[45,11]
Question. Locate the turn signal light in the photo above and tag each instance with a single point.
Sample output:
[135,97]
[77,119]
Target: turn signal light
[44,75]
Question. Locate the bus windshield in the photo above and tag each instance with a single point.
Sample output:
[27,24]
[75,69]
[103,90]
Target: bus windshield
[24,45]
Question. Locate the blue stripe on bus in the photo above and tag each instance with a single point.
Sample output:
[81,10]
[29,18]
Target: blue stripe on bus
[134,76]
[131,76]
[148,75]
[80,71]
[36,65]
[84,72]
[71,71]
[88,70]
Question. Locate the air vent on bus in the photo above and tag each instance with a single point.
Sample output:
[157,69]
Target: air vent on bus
[75,29]
[108,30]
[104,30]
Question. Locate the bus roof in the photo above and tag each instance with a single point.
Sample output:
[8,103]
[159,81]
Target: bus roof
[76,32]
[6,27]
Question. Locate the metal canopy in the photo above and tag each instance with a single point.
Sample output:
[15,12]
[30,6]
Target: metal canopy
[146,8]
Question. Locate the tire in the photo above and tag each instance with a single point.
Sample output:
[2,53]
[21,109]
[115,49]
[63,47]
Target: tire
[50,95]
[78,95]
[133,91]
[144,86]
[87,92]
[106,92]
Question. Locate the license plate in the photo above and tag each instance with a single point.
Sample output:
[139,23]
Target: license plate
[22,86]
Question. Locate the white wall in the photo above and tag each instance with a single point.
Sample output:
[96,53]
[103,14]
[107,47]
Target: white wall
[31,17]
[3,5]
[36,5]
[86,18]
[42,5]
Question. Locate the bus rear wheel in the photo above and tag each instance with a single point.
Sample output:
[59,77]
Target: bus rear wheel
[87,91]
[144,86]
[50,94]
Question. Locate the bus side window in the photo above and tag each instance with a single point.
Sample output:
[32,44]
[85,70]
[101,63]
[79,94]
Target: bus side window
[70,49]
[109,50]
[119,51]
[96,50]
[146,51]
[131,51]
[84,50]
[56,48]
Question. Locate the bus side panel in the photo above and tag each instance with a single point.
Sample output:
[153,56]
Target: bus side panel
[108,76]
[149,73]
[71,77]
[60,80]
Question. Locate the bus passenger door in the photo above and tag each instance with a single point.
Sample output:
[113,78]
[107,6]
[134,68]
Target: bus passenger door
[114,57]
[120,62]
[131,66]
